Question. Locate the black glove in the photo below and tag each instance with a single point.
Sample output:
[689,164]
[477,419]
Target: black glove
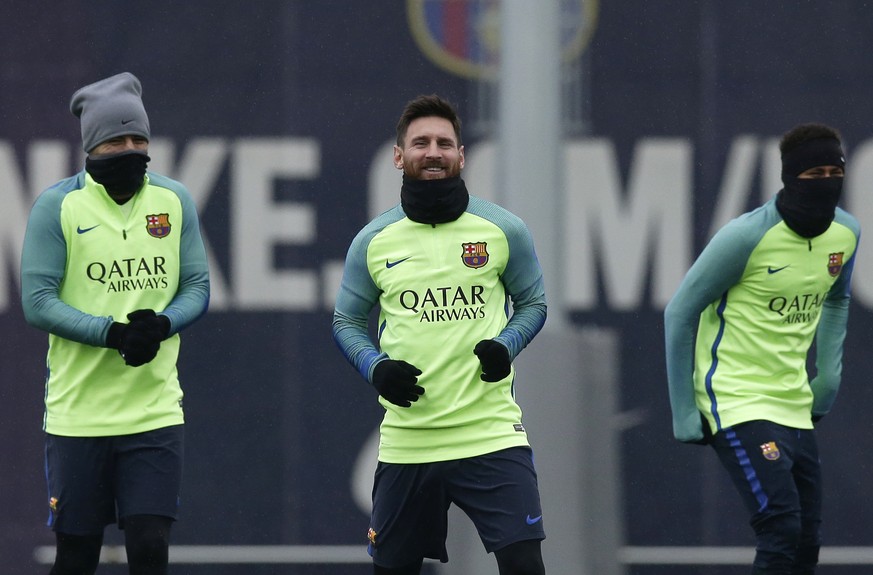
[138,342]
[494,358]
[396,381]
[157,325]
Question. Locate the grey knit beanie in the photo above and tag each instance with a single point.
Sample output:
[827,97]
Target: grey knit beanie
[109,108]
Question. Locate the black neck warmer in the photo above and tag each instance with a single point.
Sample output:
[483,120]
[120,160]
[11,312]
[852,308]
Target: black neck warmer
[121,174]
[434,201]
[808,205]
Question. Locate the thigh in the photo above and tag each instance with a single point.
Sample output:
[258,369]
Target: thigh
[148,472]
[759,456]
[807,477]
[521,557]
[80,484]
[409,518]
[78,554]
[499,492]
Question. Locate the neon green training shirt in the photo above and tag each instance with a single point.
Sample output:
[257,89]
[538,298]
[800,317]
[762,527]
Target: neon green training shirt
[740,326]
[86,262]
[441,289]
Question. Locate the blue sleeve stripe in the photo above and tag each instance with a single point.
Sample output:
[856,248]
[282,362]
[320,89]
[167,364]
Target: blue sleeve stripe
[714,365]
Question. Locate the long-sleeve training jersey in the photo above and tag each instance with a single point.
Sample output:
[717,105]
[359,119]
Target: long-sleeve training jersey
[86,262]
[441,289]
[740,326]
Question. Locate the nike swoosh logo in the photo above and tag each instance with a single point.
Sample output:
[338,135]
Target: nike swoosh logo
[81,230]
[532,520]
[392,264]
[774,270]
[125,122]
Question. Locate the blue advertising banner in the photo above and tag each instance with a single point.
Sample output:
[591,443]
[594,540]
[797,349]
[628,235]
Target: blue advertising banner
[279,117]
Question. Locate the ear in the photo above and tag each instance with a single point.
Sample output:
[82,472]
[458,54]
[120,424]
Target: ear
[461,154]
[398,158]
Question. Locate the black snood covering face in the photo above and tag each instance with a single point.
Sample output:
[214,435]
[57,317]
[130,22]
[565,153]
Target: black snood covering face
[121,174]
[434,201]
[808,205]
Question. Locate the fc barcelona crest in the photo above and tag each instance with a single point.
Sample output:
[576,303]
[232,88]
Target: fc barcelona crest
[770,451]
[158,225]
[835,264]
[474,254]
[463,36]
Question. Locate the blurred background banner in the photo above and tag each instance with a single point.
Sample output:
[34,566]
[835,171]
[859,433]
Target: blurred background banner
[279,117]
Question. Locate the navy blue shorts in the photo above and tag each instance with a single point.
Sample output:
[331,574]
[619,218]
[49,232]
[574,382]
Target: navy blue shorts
[777,472]
[94,480]
[498,491]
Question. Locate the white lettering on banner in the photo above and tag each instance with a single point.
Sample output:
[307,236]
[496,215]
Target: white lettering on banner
[644,231]
[739,173]
[860,170]
[625,237]
[736,183]
[47,163]
[258,223]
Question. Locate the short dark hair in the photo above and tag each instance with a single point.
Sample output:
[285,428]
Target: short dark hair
[805,132]
[425,107]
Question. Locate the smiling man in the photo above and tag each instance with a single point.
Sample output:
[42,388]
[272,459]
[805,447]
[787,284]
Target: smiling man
[444,267]
[738,332]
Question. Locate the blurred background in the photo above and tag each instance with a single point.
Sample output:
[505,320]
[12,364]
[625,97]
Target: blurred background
[624,132]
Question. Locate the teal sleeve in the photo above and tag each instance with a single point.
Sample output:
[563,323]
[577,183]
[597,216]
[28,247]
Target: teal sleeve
[522,277]
[719,266]
[192,296]
[829,338]
[523,281]
[43,258]
[356,298]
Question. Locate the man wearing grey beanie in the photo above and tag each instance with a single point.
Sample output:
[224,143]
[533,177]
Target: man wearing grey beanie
[115,133]
[113,241]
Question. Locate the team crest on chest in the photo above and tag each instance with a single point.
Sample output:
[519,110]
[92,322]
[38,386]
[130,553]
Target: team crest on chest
[835,263]
[158,225]
[474,254]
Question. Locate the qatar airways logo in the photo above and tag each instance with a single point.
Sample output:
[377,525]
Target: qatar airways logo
[450,303]
[802,308]
[130,274]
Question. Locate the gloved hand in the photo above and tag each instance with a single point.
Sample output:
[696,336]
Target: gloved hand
[494,358]
[138,342]
[157,325]
[396,381]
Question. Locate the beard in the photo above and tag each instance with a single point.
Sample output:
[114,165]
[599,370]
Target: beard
[423,171]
